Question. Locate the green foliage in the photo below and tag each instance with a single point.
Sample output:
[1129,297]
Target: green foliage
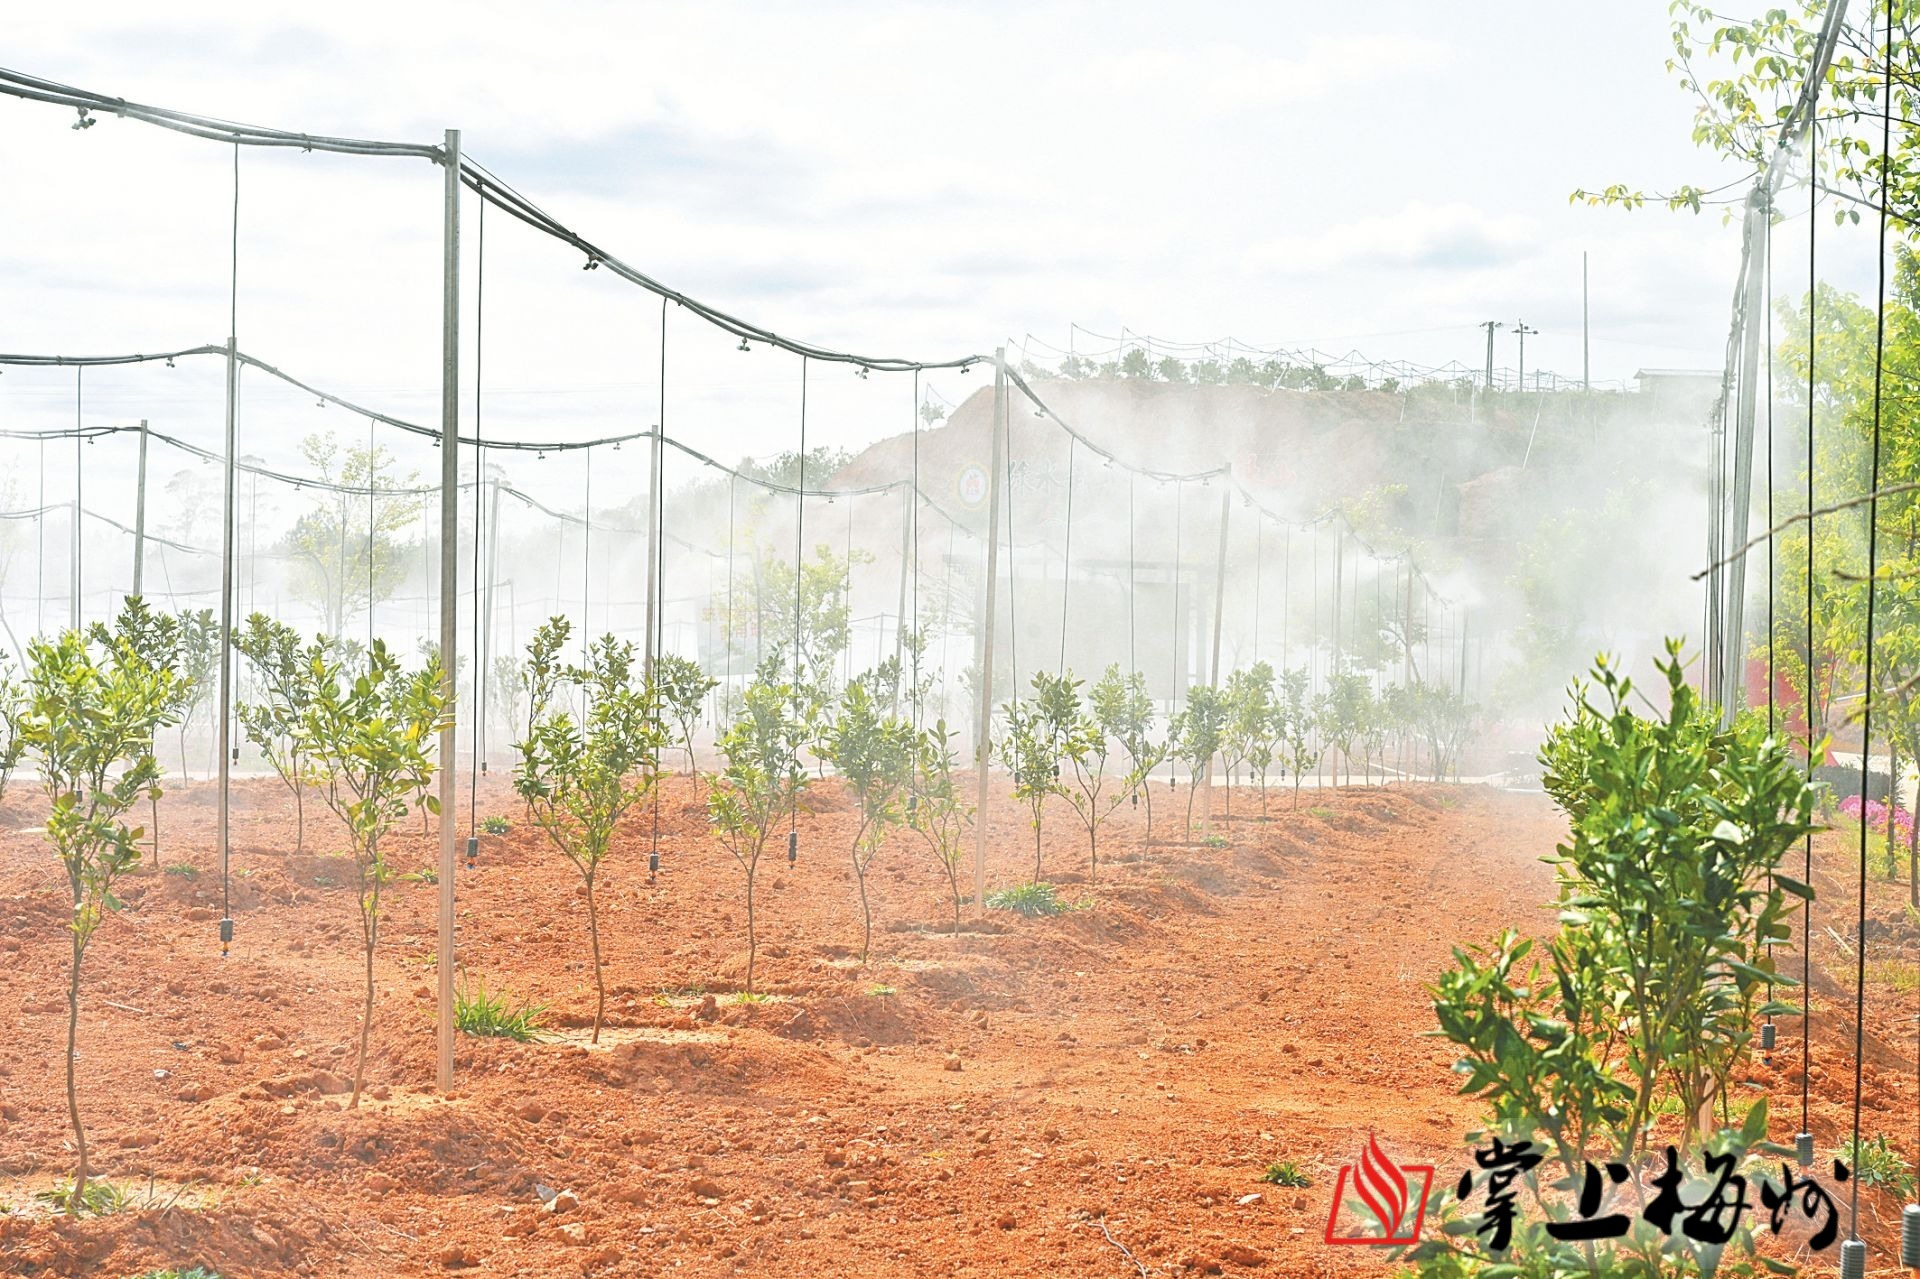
[1285,1172]
[1253,725]
[185,870]
[1669,898]
[935,809]
[682,688]
[350,550]
[874,753]
[366,745]
[486,1014]
[807,625]
[1342,713]
[1877,1163]
[761,781]
[196,661]
[1197,734]
[1124,713]
[495,825]
[90,713]
[1030,900]
[581,775]
[1442,718]
[13,709]
[280,668]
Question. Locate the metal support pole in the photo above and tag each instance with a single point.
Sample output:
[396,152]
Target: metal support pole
[1739,502]
[1219,617]
[140,518]
[73,587]
[653,548]
[982,750]
[449,587]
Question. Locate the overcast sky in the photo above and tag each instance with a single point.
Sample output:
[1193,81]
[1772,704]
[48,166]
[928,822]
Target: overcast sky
[898,179]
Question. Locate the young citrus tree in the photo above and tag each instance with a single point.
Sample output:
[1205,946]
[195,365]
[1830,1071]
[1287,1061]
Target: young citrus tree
[1197,734]
[1341,712]
[874,754]
[91,710]
[1297,728]
[682,689]
[761,781]
[580,776]
[196,657]
[279,665]
[366,741]
[1125,714]
[1249,730]
[13,710]
[1086,747]
[935,809]
[1031,744]
[155,637]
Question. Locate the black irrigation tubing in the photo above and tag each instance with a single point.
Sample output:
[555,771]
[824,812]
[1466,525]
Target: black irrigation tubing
[1804,1141]
[475,176]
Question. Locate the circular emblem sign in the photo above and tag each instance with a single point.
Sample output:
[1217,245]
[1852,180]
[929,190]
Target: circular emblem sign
[972,486]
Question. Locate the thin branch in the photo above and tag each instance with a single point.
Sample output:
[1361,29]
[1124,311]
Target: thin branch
[1125,1251]
[1803,517]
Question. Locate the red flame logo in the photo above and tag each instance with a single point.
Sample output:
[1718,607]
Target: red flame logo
[1381,1185]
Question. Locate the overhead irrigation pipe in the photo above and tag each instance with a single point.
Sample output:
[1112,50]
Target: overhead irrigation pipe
[488,186]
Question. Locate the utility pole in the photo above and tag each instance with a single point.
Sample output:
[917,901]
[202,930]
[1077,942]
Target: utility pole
[1490,326]
[140,518]
[983,754]
[1522,329]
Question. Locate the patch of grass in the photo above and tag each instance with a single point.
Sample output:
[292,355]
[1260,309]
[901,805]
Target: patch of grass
[880,990]
[1321,811]
[1902,977]
[751,997]
[173,1272]
[101,1198]
[1030,900]
[185,870]
[1285,1172]
[425,876]
[485,1015]
[1877,1163]
[495,825]
[1215,841]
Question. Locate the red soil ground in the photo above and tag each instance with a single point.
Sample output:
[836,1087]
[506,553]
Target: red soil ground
[970,1105]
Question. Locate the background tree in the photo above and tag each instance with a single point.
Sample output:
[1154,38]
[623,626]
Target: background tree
[13,711]
[1032,739]
[1086,747]
[197,656]
[1249,723]
[92,709]
[348,550]
[366,740]
[155,638]
[1197,733]
[1299,732]
[682,689]
[580,776]
[270,720]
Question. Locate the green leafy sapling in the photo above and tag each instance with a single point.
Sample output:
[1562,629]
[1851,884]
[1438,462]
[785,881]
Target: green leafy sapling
[682,689]
[935,809]
[581,774]
[1125,714]
[873,752]
[1341,712]
[759,785]
[1197,734]
[91,710]
[1032,743]
[366,743]
[280,665]
[1297,728]
[1249,731]
[13,711]
[1091,791]
[155,639]
[197,658]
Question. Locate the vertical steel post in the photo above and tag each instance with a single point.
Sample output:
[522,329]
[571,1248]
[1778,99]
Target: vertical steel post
[449,585]
[73,554]
[983,737]
[140,518]
[223,723]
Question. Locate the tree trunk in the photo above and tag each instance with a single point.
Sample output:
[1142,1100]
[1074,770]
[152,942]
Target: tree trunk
[299,818]
[77,1198]
[1093,853]
[153,807]
[1036,847]
[183,752]
[866,911]
[370,934]
[599,978]
[752,941]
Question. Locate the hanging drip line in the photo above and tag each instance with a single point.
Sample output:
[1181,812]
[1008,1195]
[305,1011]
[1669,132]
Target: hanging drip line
[225,709]
[1173,695]
[1767,1031]
[1872,584]
[1133,663]
[849,548]
[913,679]
[1259,555]
[1105,454]
[482,617]
[656,566]
[799,543]
[1013,583]
[373,469]
[586,563]
[1286,596]
[1066,562]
